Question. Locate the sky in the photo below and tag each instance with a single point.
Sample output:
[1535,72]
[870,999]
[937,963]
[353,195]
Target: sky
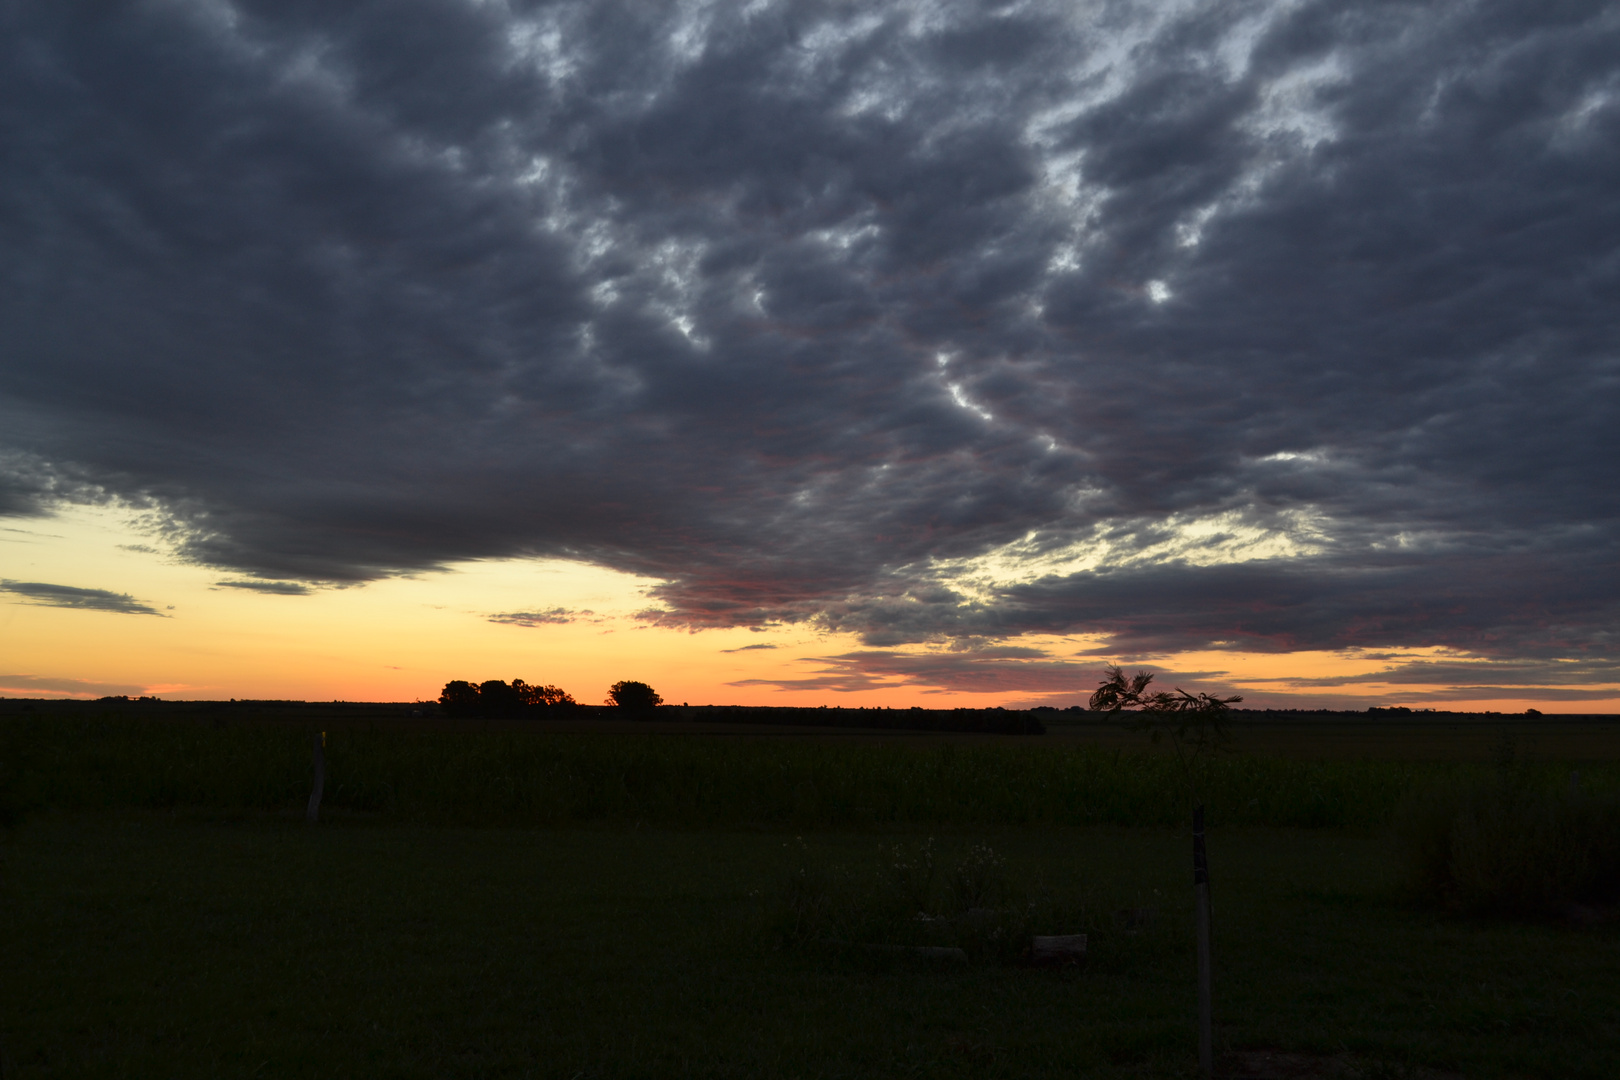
[812,353]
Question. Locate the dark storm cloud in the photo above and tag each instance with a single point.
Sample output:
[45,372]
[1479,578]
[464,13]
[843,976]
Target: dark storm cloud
[1048,679]
[1553,602]
[800,308]
[1465,673]
[71,596]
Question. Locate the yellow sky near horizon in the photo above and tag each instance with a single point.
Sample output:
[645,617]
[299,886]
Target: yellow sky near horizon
[402,638]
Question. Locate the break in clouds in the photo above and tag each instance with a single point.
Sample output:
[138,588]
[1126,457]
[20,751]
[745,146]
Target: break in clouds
[1261,326]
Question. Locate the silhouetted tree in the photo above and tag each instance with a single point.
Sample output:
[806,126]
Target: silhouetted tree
[541,697]
[637,696]
[459,698]
[1195,723]
[495,698]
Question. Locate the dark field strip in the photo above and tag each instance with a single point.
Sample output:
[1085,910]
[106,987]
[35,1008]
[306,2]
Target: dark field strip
[616,907]
[529,776]
[151,945]
[1572,740]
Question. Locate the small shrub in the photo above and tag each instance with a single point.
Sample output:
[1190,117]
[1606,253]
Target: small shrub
[806,903]
[980,880]
[910,875]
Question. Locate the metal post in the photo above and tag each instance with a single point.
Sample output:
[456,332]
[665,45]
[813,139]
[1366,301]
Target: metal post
[313,814]
[1206,1040]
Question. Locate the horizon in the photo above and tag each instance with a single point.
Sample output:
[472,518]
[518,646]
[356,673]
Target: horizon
[1392,711]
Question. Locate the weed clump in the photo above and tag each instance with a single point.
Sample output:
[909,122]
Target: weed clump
[902,903]
[980,880]
[1511,844]
[910,875]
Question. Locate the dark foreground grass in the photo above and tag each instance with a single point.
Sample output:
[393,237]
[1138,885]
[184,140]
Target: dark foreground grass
[167,945]
[531,778]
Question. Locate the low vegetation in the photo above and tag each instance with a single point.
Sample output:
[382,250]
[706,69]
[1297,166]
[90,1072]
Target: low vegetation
[518,777]
[905,898]
[994,721]
[782,905]
[1514,842]
[183,945]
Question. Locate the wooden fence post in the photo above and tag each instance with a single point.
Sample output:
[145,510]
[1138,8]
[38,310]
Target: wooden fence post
[1206,1039]
[313,814]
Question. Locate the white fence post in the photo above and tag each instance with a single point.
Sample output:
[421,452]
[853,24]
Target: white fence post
[1206,1039]
[313,814]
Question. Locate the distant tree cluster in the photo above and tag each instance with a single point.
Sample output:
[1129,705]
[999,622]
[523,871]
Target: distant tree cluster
[498,699]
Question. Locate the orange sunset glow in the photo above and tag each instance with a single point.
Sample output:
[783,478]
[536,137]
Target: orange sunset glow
[402,638]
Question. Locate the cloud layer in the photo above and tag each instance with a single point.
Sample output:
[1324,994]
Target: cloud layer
[1032,676]
[1289,326]
[277,588]
[31,685]
[71,596]
[551,617]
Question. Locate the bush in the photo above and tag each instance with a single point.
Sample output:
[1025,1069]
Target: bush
[1512,847]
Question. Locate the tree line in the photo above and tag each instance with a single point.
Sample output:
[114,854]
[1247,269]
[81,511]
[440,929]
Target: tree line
[497,699]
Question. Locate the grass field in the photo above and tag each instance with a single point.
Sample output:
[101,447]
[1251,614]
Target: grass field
[166,914]
[527,775]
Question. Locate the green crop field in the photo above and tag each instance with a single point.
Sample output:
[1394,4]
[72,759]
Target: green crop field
[629,902]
